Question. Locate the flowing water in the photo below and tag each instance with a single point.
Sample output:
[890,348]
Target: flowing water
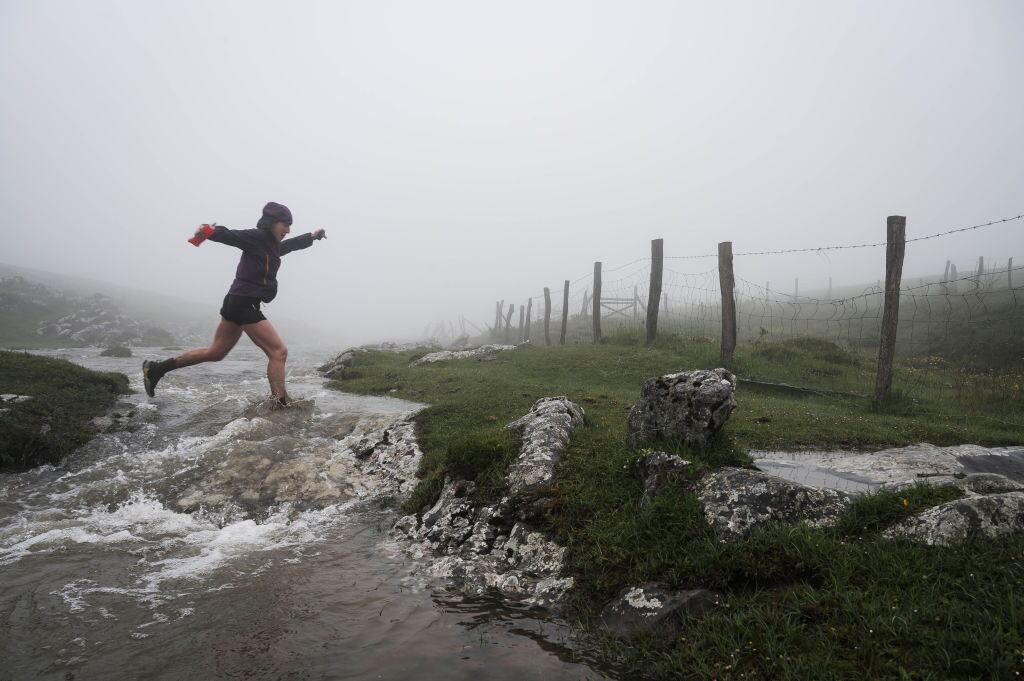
[218,539]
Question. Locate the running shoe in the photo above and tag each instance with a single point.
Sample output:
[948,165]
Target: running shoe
[150,377]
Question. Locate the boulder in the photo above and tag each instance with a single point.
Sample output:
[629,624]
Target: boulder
[545,431]
[335,367]
[655,469]
[640,608]
[954,522]
[690,407]
[736,499]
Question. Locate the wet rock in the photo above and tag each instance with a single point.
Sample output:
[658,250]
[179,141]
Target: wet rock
[480,353]
[736,499]
[655,469]
[102,423]
[114,421]
[450,521]
[988,516]
[406,526]
[690,407]
[642,607]
[485,549]
[292,456]
[524,566]
[336,367]
[545,431]
[295,411]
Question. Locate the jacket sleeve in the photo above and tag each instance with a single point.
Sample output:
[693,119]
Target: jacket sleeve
[246,239]
[296,243]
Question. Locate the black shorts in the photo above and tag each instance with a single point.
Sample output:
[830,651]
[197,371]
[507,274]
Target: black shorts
[241,310]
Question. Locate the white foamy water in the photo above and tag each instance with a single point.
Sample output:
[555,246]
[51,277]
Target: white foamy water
[181,545]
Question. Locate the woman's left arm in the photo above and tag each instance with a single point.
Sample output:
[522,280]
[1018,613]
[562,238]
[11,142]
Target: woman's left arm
[297,243]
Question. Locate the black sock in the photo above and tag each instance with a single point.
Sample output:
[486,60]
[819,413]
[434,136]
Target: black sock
[161,368]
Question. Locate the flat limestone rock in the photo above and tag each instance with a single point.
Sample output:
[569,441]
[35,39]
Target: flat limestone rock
[640,608]
[545,430]
[690,406]
[482,352]
[736,499]
[989,516]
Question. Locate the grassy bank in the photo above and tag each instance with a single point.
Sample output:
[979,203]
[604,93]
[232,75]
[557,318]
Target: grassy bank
[55,421]
[800,603]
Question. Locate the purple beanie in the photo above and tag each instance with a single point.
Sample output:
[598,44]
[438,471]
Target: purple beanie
[274,212]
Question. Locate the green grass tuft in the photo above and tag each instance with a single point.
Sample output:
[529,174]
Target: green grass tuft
[55,422]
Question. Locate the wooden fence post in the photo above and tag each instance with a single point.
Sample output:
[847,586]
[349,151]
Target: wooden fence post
[529,314]
[654,296]
[508,321]
[497,319]
[953,276]
[547,315]
[586,303]
[896,242]
[522,315]
[597,302]
[565,312]
[726,283]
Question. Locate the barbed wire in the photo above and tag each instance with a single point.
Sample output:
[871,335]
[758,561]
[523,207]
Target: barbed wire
[815,249]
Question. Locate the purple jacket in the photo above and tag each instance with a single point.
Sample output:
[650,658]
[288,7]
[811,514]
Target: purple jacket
[256,275]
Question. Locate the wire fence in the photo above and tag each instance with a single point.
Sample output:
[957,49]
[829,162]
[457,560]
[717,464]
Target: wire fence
[973,321]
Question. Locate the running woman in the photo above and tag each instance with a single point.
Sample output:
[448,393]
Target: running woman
[255,282]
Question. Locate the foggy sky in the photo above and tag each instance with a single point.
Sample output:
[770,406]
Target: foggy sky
[463,152]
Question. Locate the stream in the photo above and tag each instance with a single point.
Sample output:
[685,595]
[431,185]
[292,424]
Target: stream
[218,539]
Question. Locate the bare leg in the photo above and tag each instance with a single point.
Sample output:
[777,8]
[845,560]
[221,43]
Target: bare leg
[224,338]
[264,335]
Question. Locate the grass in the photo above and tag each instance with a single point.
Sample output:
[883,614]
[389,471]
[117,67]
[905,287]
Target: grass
[55,422]
[841,603]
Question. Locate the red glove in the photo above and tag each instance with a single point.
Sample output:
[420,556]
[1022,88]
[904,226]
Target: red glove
[204,233]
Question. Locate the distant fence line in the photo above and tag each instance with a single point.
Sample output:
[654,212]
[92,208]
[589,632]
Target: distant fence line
[646,295]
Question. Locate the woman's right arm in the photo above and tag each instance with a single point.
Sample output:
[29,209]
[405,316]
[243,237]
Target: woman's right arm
[239,238]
